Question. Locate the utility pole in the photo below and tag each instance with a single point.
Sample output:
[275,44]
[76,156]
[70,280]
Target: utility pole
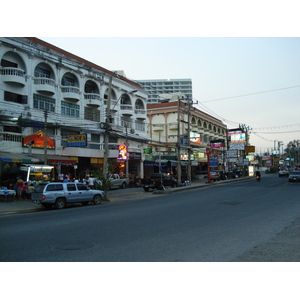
[106,132]
[127,152]
[178,145]
[45,137]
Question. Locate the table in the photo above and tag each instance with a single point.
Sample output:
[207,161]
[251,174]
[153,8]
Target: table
[5,193]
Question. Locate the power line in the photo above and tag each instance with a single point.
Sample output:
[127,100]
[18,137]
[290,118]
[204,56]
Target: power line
[257,93]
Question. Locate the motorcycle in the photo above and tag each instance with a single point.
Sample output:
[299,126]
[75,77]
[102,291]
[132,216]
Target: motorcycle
[257,177]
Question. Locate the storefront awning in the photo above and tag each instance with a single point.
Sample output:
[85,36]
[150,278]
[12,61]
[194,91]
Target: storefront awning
[14,157]
[53,159]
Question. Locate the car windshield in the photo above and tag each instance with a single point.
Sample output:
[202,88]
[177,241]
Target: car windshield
[295,173]
[39,188]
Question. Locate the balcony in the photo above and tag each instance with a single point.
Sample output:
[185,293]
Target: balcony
[173,126]
[127,110]
[71,92]
[140,113]
[194,127]
[92,99]
[46,85]
[13,75]
[158,127]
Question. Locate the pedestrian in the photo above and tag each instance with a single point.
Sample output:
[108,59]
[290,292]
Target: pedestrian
[30,189]
[25,191]
[19,187]
[91,180]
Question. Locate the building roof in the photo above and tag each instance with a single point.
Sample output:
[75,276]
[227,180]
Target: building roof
[81,60]
[174,104]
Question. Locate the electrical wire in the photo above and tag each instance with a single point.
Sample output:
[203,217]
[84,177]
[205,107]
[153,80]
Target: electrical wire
[251,94]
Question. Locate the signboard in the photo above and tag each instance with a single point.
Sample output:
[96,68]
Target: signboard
[36,140]
[237,146]
[76,140]
[195,137]
[148,151]
[234,131]
[266,158]
[213,162]
[231,153]
[250,149]
[238,138]
[217,143]
[123,152]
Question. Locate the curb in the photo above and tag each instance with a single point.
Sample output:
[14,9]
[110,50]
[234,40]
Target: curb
[205,184]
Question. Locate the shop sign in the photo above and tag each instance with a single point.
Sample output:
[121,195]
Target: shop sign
[123,154]
[76,140]
[237,146]
[36,140]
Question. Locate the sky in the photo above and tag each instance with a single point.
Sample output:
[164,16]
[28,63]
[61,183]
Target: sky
[243,57]
[240,80]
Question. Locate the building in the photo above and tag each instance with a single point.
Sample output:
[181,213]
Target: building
[173,141]
[60,98]
[156,87]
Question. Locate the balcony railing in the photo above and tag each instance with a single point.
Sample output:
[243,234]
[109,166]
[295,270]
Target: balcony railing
[127,109]
[14,75]
[71,92]
[45,84]
[93,99]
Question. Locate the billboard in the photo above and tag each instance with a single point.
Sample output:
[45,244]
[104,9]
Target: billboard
[217,143]
[238,137]
[195,137]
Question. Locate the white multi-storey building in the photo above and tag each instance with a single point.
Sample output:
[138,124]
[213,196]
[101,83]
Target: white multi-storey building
[41,84]
[156,87]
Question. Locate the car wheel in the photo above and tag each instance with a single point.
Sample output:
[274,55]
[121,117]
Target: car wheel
[146,189]
[60,203]
[97,199]
[124,185]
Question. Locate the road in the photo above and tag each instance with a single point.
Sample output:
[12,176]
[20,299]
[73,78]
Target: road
[211,224]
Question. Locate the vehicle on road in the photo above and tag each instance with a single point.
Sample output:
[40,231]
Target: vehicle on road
[294,176]
[58,194]
[214,176]
[116,182]
[283,173]
[158,181]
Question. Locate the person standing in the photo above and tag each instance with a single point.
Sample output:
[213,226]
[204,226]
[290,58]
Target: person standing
[91,182]
[20,187]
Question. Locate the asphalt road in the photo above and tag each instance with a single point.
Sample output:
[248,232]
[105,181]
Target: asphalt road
[214,224]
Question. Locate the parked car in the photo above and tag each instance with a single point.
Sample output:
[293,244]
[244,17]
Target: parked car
[116,182]
[294,176]
[158,181]
[283,173]
[214,175]
[58,194]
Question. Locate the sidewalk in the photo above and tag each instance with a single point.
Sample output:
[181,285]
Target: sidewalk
[25,206]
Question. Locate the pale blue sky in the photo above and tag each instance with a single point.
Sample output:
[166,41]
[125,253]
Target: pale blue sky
[219,68]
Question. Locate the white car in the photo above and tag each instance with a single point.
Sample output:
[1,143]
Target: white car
[283,172]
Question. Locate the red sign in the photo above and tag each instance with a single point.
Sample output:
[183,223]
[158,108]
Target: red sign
[36,140]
